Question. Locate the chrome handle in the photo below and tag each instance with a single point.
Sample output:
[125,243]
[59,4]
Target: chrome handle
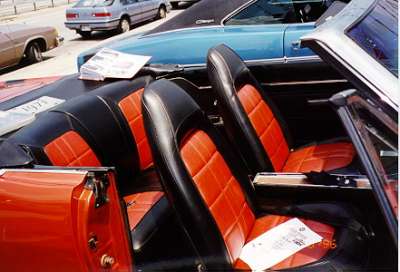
[296,45]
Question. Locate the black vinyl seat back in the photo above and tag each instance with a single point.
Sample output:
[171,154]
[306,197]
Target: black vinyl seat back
[44,130]
[111,140]
[228,74]
[91,122]
[124,100]
[171,115]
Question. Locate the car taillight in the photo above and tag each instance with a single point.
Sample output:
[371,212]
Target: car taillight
[101,14]
[72,15]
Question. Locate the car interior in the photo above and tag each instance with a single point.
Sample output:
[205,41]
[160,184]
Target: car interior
[208,159]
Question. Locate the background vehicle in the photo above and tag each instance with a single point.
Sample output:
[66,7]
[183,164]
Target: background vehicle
[263,30]
[21,42]
[82,205]
[90,15]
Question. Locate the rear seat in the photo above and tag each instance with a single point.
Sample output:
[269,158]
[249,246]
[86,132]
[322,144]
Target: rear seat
[93,130]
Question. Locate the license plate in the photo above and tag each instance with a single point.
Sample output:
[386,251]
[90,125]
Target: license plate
[85,28]
[38,105]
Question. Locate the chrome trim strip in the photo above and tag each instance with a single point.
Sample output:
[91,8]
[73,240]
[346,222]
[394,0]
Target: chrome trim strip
[178,30]
[264,61]
[233,13]
[329,81]
[24,170]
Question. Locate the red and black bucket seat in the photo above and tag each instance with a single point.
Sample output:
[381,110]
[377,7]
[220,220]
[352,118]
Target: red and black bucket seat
[255,126]
[209,188]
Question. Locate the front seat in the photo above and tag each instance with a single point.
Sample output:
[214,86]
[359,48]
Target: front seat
[209,188]
[255,126]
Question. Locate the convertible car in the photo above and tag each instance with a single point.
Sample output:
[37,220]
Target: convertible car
[175,170]
[262,30]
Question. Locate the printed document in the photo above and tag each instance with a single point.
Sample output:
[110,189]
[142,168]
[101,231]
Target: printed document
[277,244]
[108,63]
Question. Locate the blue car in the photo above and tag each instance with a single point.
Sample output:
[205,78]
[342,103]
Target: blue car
[263,30]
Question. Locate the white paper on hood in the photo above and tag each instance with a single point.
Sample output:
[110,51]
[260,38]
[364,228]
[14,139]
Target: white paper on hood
[108,63]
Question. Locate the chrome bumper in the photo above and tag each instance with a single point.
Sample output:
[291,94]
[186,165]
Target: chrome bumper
[106,25]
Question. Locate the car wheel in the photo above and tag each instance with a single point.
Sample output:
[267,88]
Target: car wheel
[33,53]
[162,13]
[124,25]
[175,5]
[85,34]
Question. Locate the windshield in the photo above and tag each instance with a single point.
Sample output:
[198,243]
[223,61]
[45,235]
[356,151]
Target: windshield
[94,3]
[377,34]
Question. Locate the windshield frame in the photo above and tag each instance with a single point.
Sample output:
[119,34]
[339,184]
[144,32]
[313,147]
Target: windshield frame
[331,43]
[365,149]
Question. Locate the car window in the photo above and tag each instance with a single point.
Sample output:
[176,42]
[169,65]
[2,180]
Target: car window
[377,34]
[380,137]
[128,2]
[280,12]
[94,3]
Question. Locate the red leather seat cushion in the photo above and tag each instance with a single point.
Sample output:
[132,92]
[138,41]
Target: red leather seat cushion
[139,204]
[305,256]
[324,157]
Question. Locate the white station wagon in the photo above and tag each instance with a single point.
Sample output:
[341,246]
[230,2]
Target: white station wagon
[89,15]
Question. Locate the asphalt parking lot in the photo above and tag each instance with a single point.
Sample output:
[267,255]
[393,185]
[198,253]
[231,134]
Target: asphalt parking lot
[62,60]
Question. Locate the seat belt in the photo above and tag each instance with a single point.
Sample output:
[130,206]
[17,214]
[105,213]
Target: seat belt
[326,179]
[333,220]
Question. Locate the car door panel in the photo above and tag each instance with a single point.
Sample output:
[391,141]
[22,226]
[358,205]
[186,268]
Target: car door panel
[147,7]
[135,10]
[7,51]
[74,219]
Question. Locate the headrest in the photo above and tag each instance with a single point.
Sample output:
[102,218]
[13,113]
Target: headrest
[170,107]
[226,66]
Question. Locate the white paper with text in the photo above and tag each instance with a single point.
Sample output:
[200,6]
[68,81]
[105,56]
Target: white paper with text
[108,63]
[277,244]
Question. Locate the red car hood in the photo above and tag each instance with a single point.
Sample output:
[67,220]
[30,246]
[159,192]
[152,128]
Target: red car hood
[14,88]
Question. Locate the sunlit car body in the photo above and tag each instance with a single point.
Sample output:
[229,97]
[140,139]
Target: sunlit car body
[18,42]
[61,178]
[91,15]
[258,30]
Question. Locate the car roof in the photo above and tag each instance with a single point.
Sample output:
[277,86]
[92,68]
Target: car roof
[212,11]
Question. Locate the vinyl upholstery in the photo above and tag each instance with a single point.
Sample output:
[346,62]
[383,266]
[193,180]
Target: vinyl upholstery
[131,107]
[324,157]
[219,189]
[70,149]
[255,126]
[209,188]
[225,199]
[139,205]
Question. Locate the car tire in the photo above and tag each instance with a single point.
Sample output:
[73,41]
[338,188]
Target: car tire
[162,13]
[33,53]
[175,5]
[85,34]
[124,25]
